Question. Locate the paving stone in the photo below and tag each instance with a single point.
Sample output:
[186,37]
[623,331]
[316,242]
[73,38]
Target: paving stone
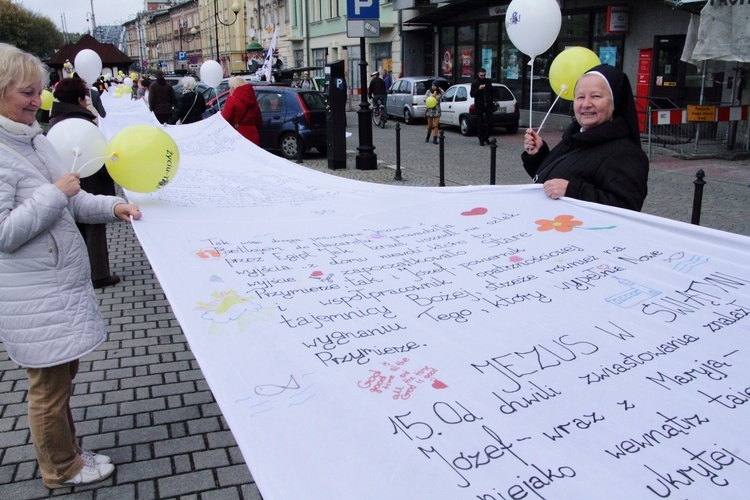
[186,483]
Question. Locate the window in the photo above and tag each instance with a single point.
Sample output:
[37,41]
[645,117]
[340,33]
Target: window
[450,93]
[461,94]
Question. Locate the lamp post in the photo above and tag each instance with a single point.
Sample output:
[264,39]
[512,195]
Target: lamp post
[236,9]
[189,38]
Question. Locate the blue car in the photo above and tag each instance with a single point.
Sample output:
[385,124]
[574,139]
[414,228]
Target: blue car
[279,106]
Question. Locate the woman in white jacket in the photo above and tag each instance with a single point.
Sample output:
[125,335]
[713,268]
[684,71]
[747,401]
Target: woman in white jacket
[49,314]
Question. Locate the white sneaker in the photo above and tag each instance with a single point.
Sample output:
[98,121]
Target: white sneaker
[89,474]
[94,458]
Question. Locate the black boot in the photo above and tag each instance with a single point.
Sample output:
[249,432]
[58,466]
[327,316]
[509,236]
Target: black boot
[434,140]
[427,139]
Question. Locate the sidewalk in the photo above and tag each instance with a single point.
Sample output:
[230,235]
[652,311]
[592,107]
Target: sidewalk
[141,397]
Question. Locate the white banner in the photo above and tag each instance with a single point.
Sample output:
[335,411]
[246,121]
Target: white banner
[367,341]
[724,32]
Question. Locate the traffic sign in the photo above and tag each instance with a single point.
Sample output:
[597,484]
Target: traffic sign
[181,55]
[363,28]
[363,9]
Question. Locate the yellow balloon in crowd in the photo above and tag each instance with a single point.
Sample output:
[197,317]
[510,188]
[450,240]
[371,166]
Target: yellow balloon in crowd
[431,102]
[133,75]
[47,100]
[568,67]
[144,158]
[126,90]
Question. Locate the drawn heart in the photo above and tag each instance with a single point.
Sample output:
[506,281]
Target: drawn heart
[438,384]
[376,236]
[516,258]
[475,211]
[316,274]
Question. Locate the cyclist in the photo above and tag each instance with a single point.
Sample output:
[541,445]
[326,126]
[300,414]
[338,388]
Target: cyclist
[377,91]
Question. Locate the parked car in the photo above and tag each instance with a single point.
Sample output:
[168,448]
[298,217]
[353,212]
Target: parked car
[279,105]
[457,108]
[406,97]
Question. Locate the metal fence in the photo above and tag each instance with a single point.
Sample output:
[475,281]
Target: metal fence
[673,132]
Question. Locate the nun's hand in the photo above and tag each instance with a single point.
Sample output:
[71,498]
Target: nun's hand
[555,188]
[69,184]
[532,142]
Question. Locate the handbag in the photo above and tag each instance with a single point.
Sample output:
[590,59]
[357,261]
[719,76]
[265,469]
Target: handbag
[179,122]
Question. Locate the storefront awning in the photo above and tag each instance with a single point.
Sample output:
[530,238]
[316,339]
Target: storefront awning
[723,34]
[447,13]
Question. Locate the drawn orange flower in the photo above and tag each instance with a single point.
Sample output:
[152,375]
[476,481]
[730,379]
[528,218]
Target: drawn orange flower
[562,223]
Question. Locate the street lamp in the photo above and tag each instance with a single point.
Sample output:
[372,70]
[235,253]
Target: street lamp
[189,38]
[236,9]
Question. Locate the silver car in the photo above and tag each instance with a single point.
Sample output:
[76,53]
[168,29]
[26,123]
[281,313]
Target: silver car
[406,97]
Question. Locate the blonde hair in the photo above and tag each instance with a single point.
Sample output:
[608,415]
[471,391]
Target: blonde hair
[237,81]
[19,69]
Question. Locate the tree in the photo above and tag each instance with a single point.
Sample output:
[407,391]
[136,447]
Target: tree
[28,31]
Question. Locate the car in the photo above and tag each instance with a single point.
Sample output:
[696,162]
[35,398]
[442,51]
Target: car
[457,108]
[279,106]
[406,97]
[203,89]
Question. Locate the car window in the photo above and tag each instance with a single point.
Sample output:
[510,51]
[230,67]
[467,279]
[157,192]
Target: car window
[421,88]
[313,100]
[406,87]
[461,94]
[449,94]
[270,102]
[501,94]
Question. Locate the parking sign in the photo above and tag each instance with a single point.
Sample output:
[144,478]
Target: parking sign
[363,9]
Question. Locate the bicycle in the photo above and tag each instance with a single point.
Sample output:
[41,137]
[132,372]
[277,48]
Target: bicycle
[379,116]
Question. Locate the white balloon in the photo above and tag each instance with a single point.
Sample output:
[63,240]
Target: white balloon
[80,144]
[211,73]
[128,82]
[88,65]
[533,25]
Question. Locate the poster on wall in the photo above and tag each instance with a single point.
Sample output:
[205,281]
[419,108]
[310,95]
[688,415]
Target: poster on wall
[487,61]
[511,71]
[466,58]
[608,55]
[448,62]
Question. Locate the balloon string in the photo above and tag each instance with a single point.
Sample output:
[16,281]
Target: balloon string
[531,91]
[539,130]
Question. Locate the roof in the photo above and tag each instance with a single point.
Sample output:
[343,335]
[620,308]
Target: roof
[446,13]
[109,54]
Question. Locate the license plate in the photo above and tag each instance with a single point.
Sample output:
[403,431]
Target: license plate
[502,109]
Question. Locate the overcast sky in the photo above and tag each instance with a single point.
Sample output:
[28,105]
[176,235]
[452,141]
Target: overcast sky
[77,11]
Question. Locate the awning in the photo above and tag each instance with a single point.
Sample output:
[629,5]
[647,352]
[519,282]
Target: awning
[447,13]
[723,33]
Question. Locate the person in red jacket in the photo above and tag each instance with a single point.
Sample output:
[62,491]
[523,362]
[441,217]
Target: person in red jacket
[241,109]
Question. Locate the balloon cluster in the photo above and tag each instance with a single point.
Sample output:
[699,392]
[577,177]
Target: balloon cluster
[141,158]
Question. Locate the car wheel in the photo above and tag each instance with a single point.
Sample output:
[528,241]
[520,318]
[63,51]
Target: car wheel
[408,119]
[466,128]
[512,129]
[289,144]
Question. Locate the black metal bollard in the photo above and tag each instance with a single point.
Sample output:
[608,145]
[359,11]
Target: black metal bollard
[398,152]
[442,158]
[299,139]
[493,160]
[698,197]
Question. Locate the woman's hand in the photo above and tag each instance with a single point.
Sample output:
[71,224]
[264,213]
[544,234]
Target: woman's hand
[555,188]
[69,184]
[532,142]
[125,210]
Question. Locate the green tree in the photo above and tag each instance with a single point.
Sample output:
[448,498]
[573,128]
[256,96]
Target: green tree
[29,31]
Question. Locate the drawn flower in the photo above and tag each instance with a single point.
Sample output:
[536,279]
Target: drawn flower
[562,223]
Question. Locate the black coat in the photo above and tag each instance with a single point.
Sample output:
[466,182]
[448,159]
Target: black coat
[602,165]
[482,97]
[190,108]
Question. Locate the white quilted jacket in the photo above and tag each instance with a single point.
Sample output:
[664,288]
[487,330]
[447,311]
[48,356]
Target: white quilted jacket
[49,313]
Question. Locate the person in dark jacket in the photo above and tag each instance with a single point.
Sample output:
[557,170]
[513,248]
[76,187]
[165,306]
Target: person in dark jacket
[376,90]
[481,91]
[241,109]
[161,98]
[600,158]
[70,102]
[190,106]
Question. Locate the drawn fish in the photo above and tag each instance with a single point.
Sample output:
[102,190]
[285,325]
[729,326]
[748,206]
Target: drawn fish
[274,390]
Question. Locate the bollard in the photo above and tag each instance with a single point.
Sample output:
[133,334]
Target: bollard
[398,152]
[493,160]
[442,158]
[299,139]
[698,197]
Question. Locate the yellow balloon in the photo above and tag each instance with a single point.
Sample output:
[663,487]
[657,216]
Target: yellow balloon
[144,158]
[47,100]
[133,75]
[126,89]
[568,67]
[431,102]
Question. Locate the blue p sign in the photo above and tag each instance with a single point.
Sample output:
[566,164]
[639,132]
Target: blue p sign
[363,9]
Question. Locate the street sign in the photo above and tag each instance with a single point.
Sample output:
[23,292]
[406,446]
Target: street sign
[181,55]
[363,28]
[363,9]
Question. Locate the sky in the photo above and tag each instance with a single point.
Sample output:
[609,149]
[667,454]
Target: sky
[77,11]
